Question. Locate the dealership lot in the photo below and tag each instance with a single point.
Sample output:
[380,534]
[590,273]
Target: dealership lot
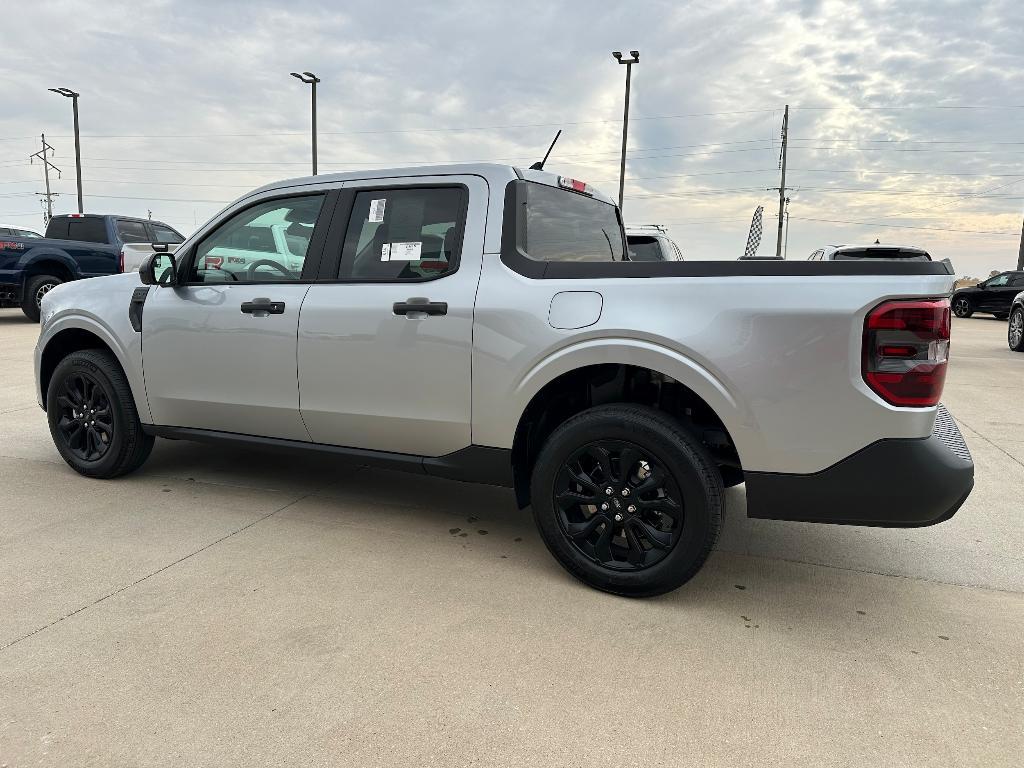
[225,606]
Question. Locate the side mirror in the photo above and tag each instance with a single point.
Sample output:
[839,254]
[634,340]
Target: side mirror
[159,269]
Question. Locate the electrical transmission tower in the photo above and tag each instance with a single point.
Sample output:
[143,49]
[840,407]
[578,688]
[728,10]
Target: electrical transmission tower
[44,155]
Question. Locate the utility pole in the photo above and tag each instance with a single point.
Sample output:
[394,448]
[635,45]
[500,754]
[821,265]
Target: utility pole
[68,93]
[625,114]
[782,187]
[310,79]
[47,165]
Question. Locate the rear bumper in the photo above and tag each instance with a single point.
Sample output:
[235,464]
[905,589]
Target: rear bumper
[897,483]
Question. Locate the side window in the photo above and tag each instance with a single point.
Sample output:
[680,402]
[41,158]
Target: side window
[5,231]
[997,282]
[1017,281]
[88,230]
[132,231]
[264,243]
[404,234]
[164,234]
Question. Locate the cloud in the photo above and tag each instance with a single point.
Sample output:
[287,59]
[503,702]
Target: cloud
[187,104]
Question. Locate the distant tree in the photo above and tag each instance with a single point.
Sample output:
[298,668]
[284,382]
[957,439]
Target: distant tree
[994,272]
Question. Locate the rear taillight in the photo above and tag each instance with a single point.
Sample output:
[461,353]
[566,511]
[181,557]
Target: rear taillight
[120,261]
[906,351]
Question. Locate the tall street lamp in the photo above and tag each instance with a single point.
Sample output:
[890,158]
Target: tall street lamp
[635,59]
[78,146]
[310,79]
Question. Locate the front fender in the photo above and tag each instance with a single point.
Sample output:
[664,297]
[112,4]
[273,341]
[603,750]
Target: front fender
[100,307]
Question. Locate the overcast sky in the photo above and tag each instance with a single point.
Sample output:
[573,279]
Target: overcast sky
[907,118]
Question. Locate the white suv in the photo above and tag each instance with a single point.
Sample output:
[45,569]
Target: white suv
[650,242]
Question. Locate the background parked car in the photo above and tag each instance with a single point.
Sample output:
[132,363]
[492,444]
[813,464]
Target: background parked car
[993,296]
[874,251]
[18,232]
[650,242]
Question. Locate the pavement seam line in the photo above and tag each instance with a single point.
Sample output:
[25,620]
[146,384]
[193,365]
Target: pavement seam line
[160,570]
[868,571]
[994,445]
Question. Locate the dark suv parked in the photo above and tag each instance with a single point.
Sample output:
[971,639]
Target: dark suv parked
[993,296]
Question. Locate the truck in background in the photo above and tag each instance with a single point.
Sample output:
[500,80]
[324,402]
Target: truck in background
[75,246]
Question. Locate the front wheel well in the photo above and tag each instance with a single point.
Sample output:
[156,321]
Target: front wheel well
[583,388]
[62,345]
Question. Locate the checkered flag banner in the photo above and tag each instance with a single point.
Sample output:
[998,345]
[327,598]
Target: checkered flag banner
[754,238]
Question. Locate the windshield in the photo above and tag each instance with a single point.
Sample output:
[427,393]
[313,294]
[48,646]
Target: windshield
[568,226]
[881,253]
[644,248]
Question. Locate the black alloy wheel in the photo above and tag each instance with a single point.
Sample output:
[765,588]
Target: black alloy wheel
[627,499]
[1015,330]
[85,420]
[92,416]
[618,505]
[962,306]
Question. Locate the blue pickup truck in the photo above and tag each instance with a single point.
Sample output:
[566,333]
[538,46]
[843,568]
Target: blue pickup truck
[76,246]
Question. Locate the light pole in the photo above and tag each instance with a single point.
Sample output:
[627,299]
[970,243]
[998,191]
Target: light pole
[635,59]
[310,79]
[78,146]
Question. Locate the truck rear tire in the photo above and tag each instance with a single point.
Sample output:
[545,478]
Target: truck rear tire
[36,287]
[92,416]
[627,500]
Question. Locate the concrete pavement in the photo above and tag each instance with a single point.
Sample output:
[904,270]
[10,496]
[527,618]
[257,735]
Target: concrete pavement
[233,607]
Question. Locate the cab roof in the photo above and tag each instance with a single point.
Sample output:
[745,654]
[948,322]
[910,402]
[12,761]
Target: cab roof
[495,173]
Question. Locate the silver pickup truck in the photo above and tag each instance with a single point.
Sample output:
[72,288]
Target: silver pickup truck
[479,323]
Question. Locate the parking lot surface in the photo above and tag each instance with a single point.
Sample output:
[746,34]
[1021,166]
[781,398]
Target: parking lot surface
[235,607]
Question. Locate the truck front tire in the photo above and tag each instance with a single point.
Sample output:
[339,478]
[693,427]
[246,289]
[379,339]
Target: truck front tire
[92,416]
[36,287]
[627,500]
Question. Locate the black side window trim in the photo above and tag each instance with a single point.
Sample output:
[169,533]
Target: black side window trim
[313,254]
[330,269]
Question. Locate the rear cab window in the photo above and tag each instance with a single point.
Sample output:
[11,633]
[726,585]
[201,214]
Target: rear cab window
[89,229]
[546,224]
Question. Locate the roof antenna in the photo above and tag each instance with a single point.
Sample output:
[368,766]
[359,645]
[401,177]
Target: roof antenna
[540,166]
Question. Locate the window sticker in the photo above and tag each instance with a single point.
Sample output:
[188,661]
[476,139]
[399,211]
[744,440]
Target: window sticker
[401,251]
[377,210]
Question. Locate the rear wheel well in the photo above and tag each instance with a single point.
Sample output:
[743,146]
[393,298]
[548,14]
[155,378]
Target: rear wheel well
[592,385]
[62,345]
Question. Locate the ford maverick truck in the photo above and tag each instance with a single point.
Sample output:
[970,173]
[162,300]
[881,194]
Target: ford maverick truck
[484,323]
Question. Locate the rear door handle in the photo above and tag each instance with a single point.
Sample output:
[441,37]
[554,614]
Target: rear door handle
[261,307]
[420,305]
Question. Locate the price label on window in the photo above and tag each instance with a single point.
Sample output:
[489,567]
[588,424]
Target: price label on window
[377,210]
